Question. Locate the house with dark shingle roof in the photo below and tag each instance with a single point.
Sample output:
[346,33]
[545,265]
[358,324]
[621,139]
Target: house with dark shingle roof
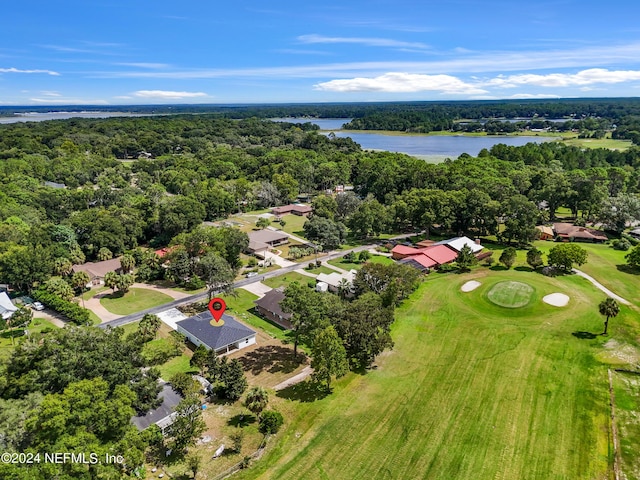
[162,416]
[262,240]
[97,270]
[202,329]
[269,307]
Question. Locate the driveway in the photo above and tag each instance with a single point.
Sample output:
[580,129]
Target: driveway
[257,288]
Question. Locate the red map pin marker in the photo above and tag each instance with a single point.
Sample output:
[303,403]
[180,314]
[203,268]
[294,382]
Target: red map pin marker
[217,308]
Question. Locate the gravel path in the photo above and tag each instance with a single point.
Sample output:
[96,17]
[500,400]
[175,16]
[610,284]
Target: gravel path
[598,285]
[303,375]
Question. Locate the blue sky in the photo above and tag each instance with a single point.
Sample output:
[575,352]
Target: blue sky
[148,52]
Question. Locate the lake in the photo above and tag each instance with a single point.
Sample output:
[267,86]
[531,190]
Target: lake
[429,147]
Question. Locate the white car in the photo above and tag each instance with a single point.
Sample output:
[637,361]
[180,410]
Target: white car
[37,306]
[251,274]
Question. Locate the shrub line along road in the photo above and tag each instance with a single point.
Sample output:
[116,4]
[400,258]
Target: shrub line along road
[118,322]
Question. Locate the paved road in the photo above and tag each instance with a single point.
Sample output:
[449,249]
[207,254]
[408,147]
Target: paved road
[202,296]
[598,285]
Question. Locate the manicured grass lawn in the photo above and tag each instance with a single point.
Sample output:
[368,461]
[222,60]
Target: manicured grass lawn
[293,225]
[284,280]
[135,300]
[627,403]
[241,306]
[343,264]
[321,269]
[468,392]
[37,325]
[93,292]
[176,365]
[510,294]
[95,320]
[599,143]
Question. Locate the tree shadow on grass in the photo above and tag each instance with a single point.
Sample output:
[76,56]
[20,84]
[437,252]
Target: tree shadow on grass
[524,269]
[303,392]
[584,335]
[242,420]
[628,269]
[498,268]
[272,358]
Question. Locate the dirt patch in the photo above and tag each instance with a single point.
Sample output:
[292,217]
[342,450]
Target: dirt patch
[556,299]
[621,352]
[470,286]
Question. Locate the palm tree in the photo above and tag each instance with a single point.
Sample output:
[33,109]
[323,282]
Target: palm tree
[79,281]
[256,400]
[344,288]
[609,308]
[127,262]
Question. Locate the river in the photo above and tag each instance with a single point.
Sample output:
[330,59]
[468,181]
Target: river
[433,148]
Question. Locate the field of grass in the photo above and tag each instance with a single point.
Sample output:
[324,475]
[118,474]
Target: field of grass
[468,392]
[343,264]
[510,294]
[241,306]
[627,403]
[598,143]
[135,300]
[284,280]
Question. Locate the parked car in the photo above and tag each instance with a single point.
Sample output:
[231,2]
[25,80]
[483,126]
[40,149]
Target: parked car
[37,306]
[252,274]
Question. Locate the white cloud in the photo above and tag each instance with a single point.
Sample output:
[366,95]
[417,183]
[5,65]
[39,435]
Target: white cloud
[582,78]
[398,82]
[16,70]
[68,101]
[167,95]
[367,41]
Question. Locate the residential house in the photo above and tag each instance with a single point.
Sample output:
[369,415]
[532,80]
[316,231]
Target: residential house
[299,209]
[546,233]
[438,253]
[635,233]
[260,241]
[164,415]
[570,233]
[335,280]
[7,308]
[457,243]
[97,270]
[223,337]
[269,307]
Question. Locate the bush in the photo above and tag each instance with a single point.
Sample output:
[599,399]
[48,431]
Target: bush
[350,257]
[270,421]
[194,283]
[311,284]
[364,256]
[621,244]
[252,262]
[71,310]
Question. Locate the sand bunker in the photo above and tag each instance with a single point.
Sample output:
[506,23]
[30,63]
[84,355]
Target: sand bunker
[470,285]
[556,299]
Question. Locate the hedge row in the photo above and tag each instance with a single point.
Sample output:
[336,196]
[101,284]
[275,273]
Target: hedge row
[73,311]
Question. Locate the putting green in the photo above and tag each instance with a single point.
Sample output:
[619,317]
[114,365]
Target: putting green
[510,294]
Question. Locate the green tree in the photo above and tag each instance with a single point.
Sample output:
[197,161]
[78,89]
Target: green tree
[325,232]
[216,273]
[610,309]
[633,257]
[521,217]
[62,266]
[394,281]
[188,424]
[111,280]
[465,258]
[270,422]
[256,400]
[124,282]
[534,258]
[227,378]
[80,280]
[508,257]
[104,254]
[324,206]
[199,358]
[370,218]
[365,329]
[616,212]
[194,462]
[127,262]
[566,254]
[148,327]
[309,312]
[237,438]
[328,357]
[364,256]
[263,223]
[58,287]
[21,318]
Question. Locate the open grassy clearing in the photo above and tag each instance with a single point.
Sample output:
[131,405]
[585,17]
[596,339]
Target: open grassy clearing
[135,300]
[626,388]
[284,280]
[467,393]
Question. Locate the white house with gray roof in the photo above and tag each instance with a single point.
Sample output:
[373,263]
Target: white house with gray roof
[232,335]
